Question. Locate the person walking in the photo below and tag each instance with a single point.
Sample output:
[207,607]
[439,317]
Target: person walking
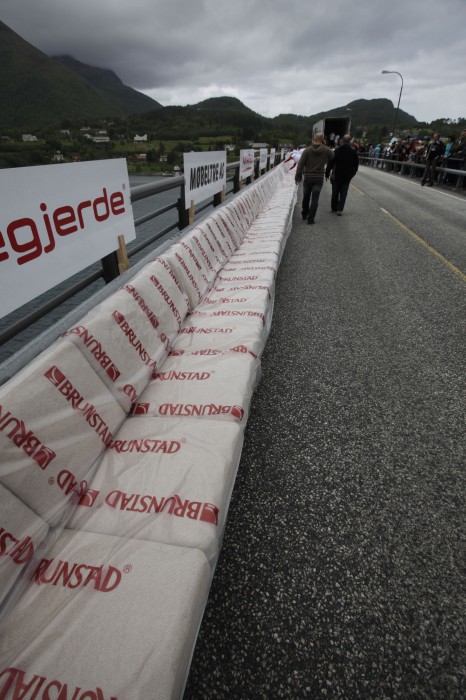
[312,164]
[434,155]
[343,168]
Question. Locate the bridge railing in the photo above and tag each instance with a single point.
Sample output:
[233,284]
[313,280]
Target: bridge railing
[110,269]
[407,167]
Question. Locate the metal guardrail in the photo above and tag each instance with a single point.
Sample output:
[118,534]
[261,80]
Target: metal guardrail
[409,164]
[110,269]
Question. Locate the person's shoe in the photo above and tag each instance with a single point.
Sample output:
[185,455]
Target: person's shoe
[339,213]
[430,184]
[333,211]
[304,215]
[310,221]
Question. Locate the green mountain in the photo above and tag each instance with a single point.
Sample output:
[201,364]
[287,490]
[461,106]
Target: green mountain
[219,116]
[378,112]
[37,90]
[130,101]
[230,104]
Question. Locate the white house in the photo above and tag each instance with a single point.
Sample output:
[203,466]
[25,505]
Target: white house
[137,138]
[29,137]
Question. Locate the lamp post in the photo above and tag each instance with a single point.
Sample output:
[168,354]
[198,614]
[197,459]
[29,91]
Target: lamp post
[399,98]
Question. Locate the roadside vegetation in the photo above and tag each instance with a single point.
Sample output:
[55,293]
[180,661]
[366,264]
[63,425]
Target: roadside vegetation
[169,132]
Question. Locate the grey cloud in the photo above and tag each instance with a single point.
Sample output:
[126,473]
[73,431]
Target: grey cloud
[278,56]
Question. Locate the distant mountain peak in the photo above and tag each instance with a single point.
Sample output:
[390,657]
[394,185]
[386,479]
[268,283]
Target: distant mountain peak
[223,102]
[107,81]
[38,90]
[79,66]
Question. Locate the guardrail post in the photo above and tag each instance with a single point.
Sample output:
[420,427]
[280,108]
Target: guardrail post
[219,197]
[183,214]
[110,268]
[236,181]
[122,255]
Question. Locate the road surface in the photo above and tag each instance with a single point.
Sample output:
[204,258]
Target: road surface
[342,573]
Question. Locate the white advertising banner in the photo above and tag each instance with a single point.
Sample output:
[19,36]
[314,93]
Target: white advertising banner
[55,220]
[262,159]
[205,175]
[272,157]
[246,160]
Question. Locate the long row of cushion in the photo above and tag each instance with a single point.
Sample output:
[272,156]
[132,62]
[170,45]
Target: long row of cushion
[119,447]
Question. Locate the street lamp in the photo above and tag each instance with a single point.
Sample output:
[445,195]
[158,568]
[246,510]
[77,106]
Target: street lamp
[399,98]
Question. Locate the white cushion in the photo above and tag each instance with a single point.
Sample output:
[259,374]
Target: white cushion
[217,387]
[165,480]
[22,534]
[56,419]
[105,617]
[245,333]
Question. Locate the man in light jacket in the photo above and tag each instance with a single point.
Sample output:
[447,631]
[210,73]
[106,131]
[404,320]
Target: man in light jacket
[312,164]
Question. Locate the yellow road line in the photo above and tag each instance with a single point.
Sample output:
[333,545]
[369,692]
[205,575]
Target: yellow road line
[357,188]
[428,247]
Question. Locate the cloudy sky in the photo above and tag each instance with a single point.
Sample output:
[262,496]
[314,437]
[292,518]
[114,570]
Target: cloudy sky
[276,56]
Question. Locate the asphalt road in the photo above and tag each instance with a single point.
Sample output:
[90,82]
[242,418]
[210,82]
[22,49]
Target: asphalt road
[342,573]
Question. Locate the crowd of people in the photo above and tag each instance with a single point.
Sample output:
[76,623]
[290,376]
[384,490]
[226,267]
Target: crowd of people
[421,157]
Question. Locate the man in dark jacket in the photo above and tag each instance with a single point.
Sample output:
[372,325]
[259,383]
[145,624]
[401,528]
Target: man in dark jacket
[434,155]
[345,167]
[459,147]
[312,163]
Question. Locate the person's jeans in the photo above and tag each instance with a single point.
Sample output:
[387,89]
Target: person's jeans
[311,193]
[339,193]
[430,165]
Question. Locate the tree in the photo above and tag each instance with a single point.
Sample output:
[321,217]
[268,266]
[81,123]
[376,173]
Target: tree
[53,144]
